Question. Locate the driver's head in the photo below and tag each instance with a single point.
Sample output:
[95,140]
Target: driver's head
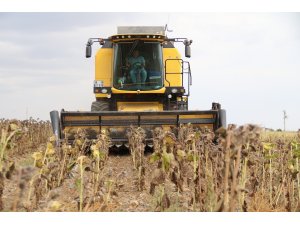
[136,53]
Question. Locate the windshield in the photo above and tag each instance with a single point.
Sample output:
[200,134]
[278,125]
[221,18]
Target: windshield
[138,66]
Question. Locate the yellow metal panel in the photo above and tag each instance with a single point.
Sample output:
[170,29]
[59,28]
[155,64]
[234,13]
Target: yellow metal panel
[166,117]
[80,118]
[210,116]
[159,91]
[103,66]
[118,118]
[101,95]
[139,106]
[133,39]
[172,66]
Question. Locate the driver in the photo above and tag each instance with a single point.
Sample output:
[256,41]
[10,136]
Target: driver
[137,64]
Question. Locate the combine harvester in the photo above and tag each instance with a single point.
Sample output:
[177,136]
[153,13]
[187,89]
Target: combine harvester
[140,80]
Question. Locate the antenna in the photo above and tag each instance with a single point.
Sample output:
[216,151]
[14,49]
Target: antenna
[167,29]
[284,118]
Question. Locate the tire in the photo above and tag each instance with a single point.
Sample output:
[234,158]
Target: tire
[177,106]
[183,107]
[173,106]
[99,106]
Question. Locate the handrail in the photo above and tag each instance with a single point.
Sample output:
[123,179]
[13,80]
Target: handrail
[182,72]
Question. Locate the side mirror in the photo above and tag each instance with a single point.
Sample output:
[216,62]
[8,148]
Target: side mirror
[187,51]
[88,51]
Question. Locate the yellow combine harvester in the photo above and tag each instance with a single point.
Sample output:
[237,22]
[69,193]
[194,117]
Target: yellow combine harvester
[140,80]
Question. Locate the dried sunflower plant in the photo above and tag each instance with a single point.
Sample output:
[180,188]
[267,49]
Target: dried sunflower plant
[238,168]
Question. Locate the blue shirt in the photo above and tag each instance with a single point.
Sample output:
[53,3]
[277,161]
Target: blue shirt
[139,59]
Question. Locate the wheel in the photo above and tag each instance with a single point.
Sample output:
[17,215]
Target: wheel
[173,106]
[180,105]
[100,106]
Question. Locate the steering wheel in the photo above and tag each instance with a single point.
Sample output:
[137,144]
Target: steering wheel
[137,65]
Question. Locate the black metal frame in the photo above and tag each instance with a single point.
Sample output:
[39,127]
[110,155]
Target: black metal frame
[98,90]
[180,90]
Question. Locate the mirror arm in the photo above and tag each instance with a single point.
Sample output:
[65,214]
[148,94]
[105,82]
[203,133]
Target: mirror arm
[101,41]
[185,41]
[89,44]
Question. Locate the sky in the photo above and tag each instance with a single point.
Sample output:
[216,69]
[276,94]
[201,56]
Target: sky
[248,62]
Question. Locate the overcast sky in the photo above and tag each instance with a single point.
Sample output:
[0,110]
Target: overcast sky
[248,62]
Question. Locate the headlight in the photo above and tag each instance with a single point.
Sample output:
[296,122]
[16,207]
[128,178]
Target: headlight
[104,90]
[169,96]
[174,90]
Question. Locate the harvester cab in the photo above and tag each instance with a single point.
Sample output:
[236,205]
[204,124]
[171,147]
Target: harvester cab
[140,80]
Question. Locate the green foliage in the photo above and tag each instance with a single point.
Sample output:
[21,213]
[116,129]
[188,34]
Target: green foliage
[155,157]
[268,146]
[167,159]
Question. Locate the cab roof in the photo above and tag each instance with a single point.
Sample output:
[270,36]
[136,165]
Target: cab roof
[151,30]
